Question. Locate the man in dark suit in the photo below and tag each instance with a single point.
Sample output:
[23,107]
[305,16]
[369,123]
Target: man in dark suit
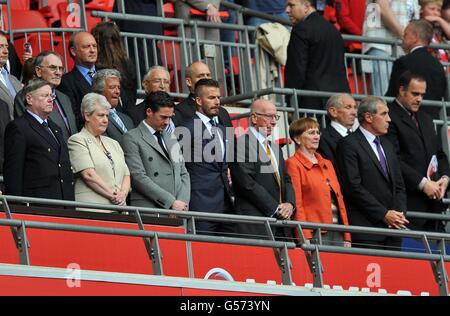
[49,67]
[185,110]
[205,148]
[9,85]
[341,109]
[417,36]
[107,83]
[413,135]
[158,173]
[260,180]
[36,156]
[315,54]
[77,83]
[371,177]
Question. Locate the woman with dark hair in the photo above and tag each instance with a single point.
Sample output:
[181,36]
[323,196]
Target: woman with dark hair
[111,54]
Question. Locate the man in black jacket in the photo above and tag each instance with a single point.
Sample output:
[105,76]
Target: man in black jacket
[371,178]
[414,137]
[315,54]
[417,36]
[185,111]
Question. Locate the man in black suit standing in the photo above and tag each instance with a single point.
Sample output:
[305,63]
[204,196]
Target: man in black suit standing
[185,110]
[341,109]
[315,54]
[417,36]
[77,83]
[49,67]
[371,177]
[107,83]
[205,149]
[413,134]
[261,183]
[36,156]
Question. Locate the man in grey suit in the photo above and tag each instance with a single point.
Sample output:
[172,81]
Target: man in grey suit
[158,174]
[107,83]
[49,67]
[9,85]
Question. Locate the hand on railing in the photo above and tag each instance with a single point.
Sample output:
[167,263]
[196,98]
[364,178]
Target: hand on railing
[212,14]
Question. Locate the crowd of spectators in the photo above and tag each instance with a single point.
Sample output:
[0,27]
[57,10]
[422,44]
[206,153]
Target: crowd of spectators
[79,135]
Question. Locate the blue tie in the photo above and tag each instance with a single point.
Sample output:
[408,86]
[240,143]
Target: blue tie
[11,89]
[117,119]
[381,156]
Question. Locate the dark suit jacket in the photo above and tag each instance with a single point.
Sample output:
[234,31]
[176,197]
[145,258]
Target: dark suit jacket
[210,190]
[368,193]
[114,131]
[4,120]
[328,144]
[185,111]
[315,60]
[256,189]
[415,147]
[66,106]
[422,63]
[75,86]
[36,165]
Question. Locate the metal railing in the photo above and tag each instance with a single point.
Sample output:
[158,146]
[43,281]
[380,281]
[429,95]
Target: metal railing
[151,239]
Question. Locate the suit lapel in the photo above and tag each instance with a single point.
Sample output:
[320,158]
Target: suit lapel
[64,102]
[80,78]
[41,131]
[150,140]
[262,154]
[368,148]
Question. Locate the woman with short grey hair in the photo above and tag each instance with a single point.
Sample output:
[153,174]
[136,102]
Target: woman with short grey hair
[98,162]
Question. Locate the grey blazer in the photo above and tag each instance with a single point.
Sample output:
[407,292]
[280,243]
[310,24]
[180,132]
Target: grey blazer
[156,181]
[66,105]
[5,96]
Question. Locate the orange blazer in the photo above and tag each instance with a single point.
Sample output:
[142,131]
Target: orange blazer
[312,194]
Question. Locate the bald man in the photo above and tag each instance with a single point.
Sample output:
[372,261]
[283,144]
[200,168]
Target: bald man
[77,83]
[261,183]
[185,111]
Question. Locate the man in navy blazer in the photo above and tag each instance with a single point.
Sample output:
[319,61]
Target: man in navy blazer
[371,177]
[417,37]
[36,156]
[205,148]
[77,83]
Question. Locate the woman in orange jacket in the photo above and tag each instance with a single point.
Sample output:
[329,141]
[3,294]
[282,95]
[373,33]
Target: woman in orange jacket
[317,191]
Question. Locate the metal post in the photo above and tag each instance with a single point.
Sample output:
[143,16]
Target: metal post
[24,256]
[285,266]
[10,24]
[317,268]
[444,129]
[83,21]
[190,229]
[150,246]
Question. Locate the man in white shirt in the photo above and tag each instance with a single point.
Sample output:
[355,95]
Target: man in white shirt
[341,109]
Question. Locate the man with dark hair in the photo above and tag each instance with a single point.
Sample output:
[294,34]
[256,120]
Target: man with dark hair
[315,54]
[185,111]
[417,36]
[49,67]
[36,156]
[205,150]
[77,83]
[371,178]
[413,135]
[158,174]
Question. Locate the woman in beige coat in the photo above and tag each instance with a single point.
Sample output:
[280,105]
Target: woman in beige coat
[98,162]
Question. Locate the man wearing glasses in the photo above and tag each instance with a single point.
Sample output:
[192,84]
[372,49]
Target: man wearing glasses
[261,183]
[36,156]
[49,67]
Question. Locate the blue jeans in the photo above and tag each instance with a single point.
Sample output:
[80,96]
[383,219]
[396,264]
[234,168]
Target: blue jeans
[381,72]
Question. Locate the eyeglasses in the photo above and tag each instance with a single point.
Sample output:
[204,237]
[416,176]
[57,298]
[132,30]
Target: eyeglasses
[313,132]
[275,117]
[54,68]
[46,96]
[159,81]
